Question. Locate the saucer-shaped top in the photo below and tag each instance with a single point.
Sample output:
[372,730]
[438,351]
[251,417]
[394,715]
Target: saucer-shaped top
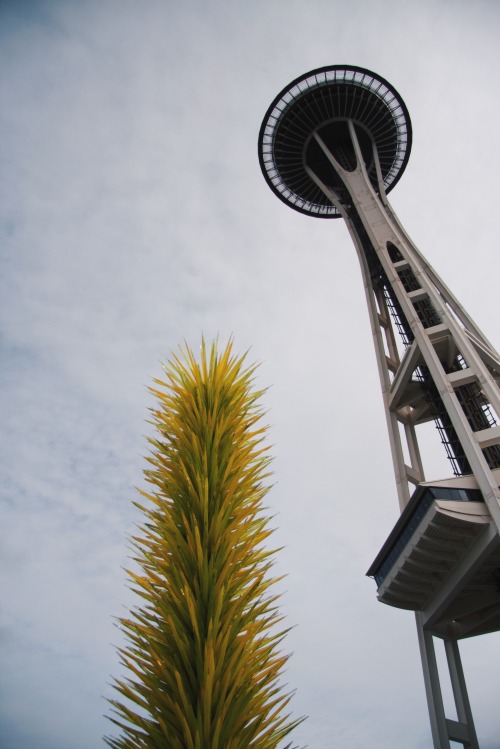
[324,97]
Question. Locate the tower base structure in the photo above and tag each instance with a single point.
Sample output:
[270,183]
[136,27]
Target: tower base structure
[333,144]
[441,560]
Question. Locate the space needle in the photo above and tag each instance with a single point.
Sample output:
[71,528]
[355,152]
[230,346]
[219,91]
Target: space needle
[333,144]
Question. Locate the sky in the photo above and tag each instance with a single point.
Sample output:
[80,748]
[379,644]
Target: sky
[134,217]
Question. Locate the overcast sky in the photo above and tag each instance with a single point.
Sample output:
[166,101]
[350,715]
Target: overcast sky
[133,217]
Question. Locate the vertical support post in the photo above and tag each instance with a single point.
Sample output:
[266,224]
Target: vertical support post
[413,449]
[443,729]
[464,712]
[432,686]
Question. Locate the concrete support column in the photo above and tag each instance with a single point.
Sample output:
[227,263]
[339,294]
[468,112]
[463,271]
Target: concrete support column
[464,712]
[445,729]
[432,686]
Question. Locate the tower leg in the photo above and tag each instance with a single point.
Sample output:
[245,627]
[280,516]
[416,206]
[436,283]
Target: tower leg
[443,729]
[464,712]
[432,686]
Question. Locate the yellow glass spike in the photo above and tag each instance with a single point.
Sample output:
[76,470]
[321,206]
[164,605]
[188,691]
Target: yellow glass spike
[203,645]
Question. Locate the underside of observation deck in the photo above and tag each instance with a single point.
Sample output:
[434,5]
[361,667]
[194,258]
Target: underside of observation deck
[323,101]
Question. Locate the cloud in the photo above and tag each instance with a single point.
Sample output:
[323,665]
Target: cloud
[134,215]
